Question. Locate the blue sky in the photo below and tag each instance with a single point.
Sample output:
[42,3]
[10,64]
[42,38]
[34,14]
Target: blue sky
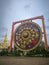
[14,10]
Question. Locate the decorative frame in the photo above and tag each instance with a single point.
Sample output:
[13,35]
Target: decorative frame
[34,18]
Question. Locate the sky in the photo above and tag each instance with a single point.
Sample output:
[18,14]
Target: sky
[15,10]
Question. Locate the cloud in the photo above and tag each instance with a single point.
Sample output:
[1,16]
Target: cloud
[27,6]
[3,31]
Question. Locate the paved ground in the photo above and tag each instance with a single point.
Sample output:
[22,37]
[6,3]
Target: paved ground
[5,60]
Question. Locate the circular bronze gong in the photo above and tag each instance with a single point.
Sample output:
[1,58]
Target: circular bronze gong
[27,36]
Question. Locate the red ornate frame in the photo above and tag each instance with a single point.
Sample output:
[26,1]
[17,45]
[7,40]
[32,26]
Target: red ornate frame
[34,18]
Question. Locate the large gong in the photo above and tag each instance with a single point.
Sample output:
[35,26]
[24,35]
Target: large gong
[27,36]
